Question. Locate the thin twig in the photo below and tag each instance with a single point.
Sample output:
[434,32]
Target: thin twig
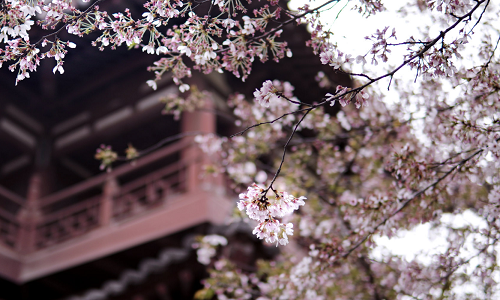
[280,94]
[284,149]
[492,54]
[162,143]
[407,43]
[480,17]
[268,122]
[292,19]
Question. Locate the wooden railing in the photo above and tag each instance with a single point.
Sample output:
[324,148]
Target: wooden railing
[8,228]
[100,179]
[8,223]
[149,191]
[96,202]
[67,223]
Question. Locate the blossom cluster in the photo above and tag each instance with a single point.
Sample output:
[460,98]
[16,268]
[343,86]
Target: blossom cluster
[215,43]
[266,94]
[260,208]
[107,157]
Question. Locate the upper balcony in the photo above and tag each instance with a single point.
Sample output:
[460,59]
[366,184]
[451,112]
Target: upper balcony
[157,195]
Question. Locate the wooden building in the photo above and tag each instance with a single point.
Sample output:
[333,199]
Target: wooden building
[65,225]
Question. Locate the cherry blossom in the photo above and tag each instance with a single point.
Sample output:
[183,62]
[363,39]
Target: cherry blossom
[263,209]
[266,94]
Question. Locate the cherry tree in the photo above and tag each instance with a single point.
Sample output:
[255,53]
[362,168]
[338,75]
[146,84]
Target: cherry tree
[323,178]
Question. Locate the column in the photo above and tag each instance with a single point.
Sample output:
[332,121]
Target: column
[204,122]
[110,191]
[30,216]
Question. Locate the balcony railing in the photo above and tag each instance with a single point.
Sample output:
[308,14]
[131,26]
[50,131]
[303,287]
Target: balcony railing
[8,228]
[96,202]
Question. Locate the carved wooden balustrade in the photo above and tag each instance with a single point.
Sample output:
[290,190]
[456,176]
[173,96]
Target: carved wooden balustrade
[8,229]
[149,191]
[9,225]
[98,201]
[68,223]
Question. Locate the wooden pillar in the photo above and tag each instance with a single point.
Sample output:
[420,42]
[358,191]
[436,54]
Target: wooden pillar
[110,191]
[204,122]
[30,216]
